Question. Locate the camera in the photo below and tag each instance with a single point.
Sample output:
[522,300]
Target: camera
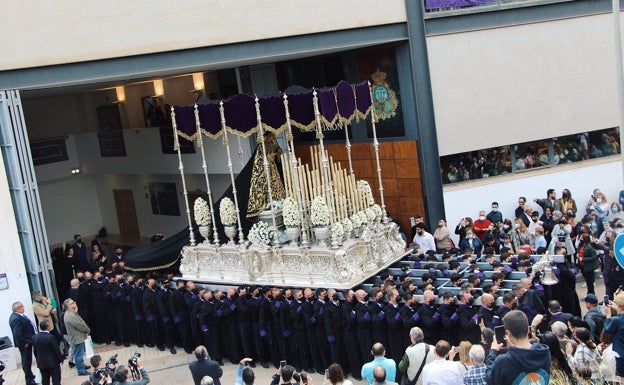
[132,361]
[112,361]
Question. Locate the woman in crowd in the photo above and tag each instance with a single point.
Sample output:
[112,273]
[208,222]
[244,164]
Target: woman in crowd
[560,371]
[565,290]
[586,355]
[464,357]
[521,235]
[567,203]
[608,355]
[460,229]
[615,212]
[336,376]
[615,327]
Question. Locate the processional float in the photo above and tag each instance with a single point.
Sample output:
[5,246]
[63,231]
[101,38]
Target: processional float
[338,236]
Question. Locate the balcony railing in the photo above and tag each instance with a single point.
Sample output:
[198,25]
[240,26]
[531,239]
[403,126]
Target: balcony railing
[441,8]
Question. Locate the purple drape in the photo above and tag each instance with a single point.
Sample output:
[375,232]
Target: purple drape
[343,102]
[435,4]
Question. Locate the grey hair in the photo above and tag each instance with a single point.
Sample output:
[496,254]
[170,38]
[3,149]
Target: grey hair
[417,335]
[477,354]
[15,305]
[559,329]
[206,380]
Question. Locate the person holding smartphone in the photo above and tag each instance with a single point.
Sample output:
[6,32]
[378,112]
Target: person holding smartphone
[615,327]
[524,361]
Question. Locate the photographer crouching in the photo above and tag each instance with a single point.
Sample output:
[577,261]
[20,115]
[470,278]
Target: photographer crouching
[103,374]
[289,376]
[134,374]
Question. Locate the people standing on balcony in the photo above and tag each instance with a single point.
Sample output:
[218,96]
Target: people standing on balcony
[442,236]
[482,225]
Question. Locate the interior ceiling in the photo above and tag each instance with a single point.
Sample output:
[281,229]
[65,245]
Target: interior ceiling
[80,88]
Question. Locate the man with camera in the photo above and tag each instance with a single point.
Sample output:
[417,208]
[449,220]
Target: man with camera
[289,376]
[103,374]
[136,375]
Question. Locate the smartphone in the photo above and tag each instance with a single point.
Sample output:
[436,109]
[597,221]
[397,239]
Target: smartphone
[456,349]
[499,331]
[605,300]
[326,373]
[282,363]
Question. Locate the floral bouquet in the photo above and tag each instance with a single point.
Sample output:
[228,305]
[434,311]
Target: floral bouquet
[202,217]
[363,218]
[370,214]
[260,234]
[355,220]
[365,189]
[377,209]
[290,213]
[337,230]
[227,212]
[319,212]
[347,226]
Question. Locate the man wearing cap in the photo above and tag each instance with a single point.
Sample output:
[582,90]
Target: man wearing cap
[595,316]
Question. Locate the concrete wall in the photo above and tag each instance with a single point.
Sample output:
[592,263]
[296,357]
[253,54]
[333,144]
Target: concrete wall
[75,31]
[522,83]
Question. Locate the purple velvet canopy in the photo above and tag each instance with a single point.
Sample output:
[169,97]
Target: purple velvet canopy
[339,104]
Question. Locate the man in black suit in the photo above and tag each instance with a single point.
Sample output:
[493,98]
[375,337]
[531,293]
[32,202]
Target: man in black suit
[48,354]
[23,330]
[204,366]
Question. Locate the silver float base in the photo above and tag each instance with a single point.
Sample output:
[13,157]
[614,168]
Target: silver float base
[379,246]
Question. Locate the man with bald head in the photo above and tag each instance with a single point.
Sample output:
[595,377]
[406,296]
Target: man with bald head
[379,373]
[363,320]
[430,318]
[486,311]
[388,364]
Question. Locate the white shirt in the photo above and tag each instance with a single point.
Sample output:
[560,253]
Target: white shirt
[442,372]
[425,241]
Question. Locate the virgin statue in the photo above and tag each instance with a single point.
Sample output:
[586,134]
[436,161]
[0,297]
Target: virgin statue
[258,193]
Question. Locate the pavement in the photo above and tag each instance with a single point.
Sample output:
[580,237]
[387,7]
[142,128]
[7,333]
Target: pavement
[167,368]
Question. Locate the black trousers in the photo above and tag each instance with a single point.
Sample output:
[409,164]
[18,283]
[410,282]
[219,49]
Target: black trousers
[589,279]
[26,354]
[54,374]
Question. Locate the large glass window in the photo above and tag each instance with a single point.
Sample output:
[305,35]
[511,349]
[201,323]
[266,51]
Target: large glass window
[522,157]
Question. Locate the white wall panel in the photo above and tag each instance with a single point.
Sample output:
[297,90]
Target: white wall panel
[46,33]
[521,83]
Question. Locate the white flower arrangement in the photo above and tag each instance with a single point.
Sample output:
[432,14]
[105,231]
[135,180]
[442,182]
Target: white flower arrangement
[347,226]
[378,210]
[370,214]
[319,212]
[365,189]
[260,234]
[200,208]
[337,230]
[355,220]
[227,211]
[363,217]
[290,213]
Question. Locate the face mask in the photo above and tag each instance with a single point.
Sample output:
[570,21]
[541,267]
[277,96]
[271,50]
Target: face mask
[494,210]
[482,218]
[516,225]
[614,209]
[565,195]
[469,236]
[535,220]
[598,200]
[506,227]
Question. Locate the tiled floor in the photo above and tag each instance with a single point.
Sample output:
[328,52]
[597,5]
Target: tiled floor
[165,368]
